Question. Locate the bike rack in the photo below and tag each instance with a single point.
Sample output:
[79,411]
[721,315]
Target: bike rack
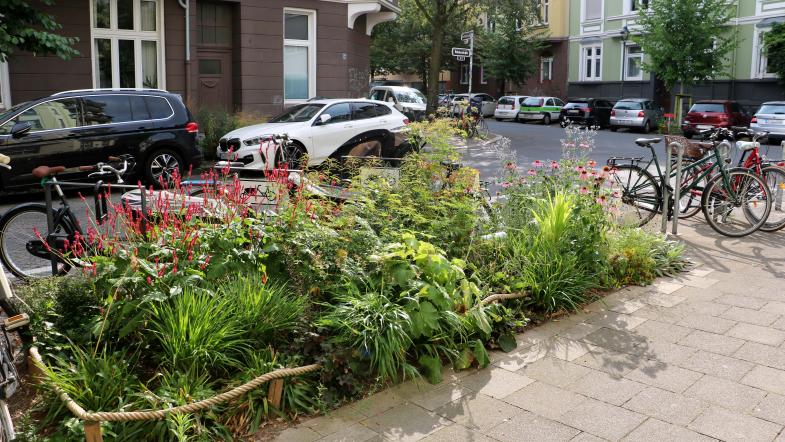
[100,205]
[676,188]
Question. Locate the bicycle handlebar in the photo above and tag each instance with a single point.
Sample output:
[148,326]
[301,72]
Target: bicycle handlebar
[107,169]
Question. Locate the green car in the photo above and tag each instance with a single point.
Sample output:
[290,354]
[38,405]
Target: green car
[545,109]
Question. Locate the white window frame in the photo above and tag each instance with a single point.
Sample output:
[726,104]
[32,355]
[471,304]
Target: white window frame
[464,78]
[626,56]
[483,80]
[596,76]
[113,34]
[543,61]
[545,11]
[628,6]
[583,12]
[759,60]
[5,86]
[310,44]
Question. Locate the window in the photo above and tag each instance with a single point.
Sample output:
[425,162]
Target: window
[545,11]
[761,64]
[362,111]
[591,63]
[159,107]
[108,109]
[633,65]
[558,102]
[546,69]
[341,112]
[378,94]
[592,10]
[382,110]
[5,87]
[51,115]
[464,74]
[214,24]
[126,43]
[633,6]
[483,80]
[299,54]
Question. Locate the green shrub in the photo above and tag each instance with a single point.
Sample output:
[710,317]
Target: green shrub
[637,257]
[557,281]
[196,330]
[214,123]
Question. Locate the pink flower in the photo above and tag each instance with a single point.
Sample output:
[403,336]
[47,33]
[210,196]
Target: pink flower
[616,194]
[584,174]
[592,163]
[505,184]
[579,169]
[532,172]
[584,145]
[601,200]
[510,166]
[555,165]
[537,163]
[584,190]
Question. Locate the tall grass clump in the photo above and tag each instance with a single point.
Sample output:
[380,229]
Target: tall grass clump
[637,257]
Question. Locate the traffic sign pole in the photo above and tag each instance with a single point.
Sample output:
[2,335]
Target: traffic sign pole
[471,63]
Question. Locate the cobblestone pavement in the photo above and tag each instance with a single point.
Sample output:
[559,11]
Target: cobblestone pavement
[698,357]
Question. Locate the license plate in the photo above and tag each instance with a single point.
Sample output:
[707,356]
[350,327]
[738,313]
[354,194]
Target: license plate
[703,126]
[229,156]
[505,107]
[622,121]
[573,112]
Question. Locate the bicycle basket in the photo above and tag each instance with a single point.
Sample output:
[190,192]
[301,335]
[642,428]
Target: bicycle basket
[691,150]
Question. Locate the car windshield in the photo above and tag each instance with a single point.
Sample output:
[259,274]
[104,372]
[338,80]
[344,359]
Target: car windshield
[776,109]
[297,114]
[628,105]
[707,107]
[7,113]
[533,102]
[411,96]
[576,104]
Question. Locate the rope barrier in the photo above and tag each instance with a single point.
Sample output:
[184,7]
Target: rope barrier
[126,416]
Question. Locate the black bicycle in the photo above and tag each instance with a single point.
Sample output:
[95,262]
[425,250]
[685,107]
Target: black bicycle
[28,245]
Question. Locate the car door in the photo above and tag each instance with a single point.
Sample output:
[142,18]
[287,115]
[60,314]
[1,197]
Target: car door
[548,106]
[330,135]
[114,125]
[53,140]
[557,105]
[488,105]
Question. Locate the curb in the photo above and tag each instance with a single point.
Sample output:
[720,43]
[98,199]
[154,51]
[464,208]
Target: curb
[466,144]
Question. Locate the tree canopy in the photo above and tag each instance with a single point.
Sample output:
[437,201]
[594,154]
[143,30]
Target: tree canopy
[686,41]
[774,45]
[25,28]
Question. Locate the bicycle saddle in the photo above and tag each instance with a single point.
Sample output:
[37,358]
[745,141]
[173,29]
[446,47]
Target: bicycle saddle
[45,171]
[646,142]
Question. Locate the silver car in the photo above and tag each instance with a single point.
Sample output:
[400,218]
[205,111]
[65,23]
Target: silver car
[771,118]
[636,113]
[507,107]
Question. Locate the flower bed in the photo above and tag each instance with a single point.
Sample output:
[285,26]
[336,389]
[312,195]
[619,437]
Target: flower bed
[377,290]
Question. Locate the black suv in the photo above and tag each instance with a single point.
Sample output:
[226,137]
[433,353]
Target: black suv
[587,111]
[77,128]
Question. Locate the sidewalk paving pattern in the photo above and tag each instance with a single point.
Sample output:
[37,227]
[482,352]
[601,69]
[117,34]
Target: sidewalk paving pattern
[698,357]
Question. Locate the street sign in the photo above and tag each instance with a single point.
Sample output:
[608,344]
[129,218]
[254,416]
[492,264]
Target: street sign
[466,36]
[461,58]
[461,52]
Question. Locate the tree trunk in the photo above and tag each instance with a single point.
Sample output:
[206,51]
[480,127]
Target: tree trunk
[435,64]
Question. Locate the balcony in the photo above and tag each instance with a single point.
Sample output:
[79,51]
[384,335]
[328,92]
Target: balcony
[375,12]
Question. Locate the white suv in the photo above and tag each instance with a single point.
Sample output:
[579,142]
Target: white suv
[319,128]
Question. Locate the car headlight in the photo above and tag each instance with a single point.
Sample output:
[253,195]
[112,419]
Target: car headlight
[255,141]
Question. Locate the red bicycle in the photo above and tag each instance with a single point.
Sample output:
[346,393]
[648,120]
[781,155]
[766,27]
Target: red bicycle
[773,173]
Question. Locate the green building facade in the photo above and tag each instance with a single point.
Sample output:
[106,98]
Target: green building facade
[605,62]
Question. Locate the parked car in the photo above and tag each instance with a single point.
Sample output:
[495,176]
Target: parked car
[411,101]
[545,109]
[83,127]
[507,107]
[771,118]
[486,102]
[321,129]
[708,114]
[636,113]
[445,99]
[587,111]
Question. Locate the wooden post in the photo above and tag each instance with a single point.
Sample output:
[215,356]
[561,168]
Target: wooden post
[92,431]
[275,392]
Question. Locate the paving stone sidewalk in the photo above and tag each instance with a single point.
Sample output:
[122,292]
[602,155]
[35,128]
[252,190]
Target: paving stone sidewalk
[695,358]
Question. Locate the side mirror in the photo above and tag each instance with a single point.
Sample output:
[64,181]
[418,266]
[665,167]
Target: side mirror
[324,118]
[20,129]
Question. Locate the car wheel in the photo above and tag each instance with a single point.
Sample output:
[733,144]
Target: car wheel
[613,128]
[292,156]
[162,166]
[647,127]
[546,119]
[688,135]
[516,119]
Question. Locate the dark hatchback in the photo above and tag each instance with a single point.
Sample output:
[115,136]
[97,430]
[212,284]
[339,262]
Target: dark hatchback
[77,128]
[587,111]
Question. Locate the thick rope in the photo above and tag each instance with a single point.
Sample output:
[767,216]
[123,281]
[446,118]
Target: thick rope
[125,416]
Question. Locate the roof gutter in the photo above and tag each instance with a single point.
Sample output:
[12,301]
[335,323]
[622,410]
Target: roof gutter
[185,4]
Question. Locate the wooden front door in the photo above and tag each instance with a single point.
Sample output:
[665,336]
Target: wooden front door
[215,79]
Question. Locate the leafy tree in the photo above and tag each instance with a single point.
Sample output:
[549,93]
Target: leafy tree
[774,45]
[686,41]
[507,51]
[24,28]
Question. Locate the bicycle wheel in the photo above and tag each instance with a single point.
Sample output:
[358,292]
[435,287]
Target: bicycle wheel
[639,195]
[737,206]
[775,180]
[17,230]
[692,186]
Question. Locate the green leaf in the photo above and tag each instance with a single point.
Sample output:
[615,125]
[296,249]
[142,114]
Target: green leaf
[464,359]
[507,342]
[432,368]
[481,354]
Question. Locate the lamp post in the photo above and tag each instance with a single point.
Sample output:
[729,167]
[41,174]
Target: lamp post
[625,35]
